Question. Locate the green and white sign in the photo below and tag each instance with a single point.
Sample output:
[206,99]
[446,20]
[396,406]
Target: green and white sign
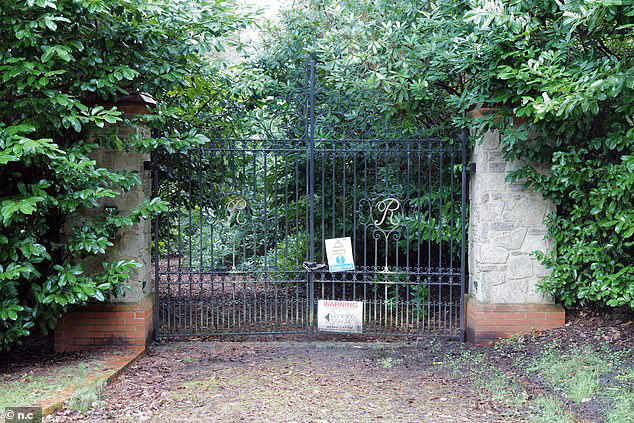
[339,254]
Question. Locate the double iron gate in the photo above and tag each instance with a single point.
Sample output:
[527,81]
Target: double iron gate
[241,250]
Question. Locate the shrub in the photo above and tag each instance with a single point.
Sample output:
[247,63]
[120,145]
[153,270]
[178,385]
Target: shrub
[286,258]
[57,57]
[561,75]
[566,70]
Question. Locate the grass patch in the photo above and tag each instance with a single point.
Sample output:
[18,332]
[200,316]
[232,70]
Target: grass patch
[31,388]
[547,409]
[389,362]
[576,371]
[203,384]
[377,346]
[83,398]
[193,389]
[584,374]
[492,383]
[504,389]
[623,409]
[623,404]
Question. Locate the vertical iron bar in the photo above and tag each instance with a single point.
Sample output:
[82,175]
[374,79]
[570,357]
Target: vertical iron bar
[297,257]
[180,252]
[243,192]
[450,303]
[463,197]
[311,187]
[354,221]
[207,309]
[343,210]
[440,314]
[429,211]
[189,229]
[267,274]
[408,270]
[419,209]
[157,278]
[201,245]
[365,236]
[297,240]
[291,273]
[168,286]
[220,303]
[333,209]
[322,279]
[274,184]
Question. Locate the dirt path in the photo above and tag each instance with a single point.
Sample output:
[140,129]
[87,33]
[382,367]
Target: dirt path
[290,382]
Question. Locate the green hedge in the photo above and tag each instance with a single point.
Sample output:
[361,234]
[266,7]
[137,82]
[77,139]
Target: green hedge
[57,58]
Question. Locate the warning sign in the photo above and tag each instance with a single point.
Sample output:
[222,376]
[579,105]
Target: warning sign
[339,254]
[340,316]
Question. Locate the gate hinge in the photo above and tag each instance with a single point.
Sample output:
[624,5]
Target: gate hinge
[147,165]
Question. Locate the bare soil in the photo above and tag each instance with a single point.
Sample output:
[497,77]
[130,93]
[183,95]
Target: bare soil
[350,380]
[291,382]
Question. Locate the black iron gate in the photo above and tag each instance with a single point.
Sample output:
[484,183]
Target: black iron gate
[242,249]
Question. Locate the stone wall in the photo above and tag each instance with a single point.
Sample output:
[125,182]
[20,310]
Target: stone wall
[506,224]
[126,320]
[132,242]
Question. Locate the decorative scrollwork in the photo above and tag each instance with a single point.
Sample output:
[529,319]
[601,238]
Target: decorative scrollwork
[235,205]
[388,206]
[383,220]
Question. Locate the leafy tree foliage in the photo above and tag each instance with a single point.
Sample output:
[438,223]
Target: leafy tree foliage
[559,75]
[58,58]
[566,69]
[365,90]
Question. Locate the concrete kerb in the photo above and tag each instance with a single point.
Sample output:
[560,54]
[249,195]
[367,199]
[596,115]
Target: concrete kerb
[113,368]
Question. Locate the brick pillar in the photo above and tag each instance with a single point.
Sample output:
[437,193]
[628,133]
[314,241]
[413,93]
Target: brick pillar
[506,224]
[126,320]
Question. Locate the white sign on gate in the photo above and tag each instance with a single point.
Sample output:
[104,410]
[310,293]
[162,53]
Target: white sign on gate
[340,316]
[339,254]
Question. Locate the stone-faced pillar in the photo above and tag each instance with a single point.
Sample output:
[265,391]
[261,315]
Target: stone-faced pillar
[125,320]
[506,224]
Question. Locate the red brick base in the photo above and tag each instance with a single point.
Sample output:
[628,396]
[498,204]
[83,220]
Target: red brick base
[493,321]
[106,324]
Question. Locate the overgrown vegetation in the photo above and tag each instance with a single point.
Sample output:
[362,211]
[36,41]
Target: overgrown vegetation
[500,386]
[558,76]
[58,60]
[576,372]
[567,69]
[579,371]
[270,90]
[85,396]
